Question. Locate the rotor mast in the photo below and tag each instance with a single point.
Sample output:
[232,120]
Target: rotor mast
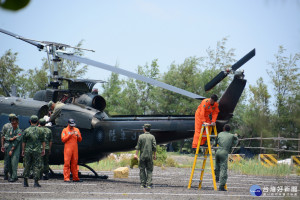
[53,73]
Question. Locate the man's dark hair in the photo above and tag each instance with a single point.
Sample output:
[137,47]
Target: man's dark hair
[227,127]
[147,129]
[214,97]
[14,119]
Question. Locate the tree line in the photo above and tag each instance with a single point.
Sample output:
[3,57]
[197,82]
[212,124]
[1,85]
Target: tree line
[254,116]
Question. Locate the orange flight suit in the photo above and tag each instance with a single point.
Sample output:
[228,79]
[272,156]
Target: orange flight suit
[70,152]
[202,116]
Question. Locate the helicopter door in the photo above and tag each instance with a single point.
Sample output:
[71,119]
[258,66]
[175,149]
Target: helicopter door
[43,111]
[82,119]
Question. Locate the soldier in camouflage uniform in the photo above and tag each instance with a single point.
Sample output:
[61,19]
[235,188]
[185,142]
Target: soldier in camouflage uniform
[48,144]
[33,147]
[146,145]
[13,139]
[225,140]
[5,128]
[56,108]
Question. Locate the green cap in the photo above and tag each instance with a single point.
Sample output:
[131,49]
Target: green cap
[42,121]
[12,115]
[50,104]
[147,126]
[34,118]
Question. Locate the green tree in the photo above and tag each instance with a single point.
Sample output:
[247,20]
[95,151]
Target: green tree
[34,80]
[139,97]
[147,91]
[9,71]
[256,116]
[285,79]
[112,94]
[185,76]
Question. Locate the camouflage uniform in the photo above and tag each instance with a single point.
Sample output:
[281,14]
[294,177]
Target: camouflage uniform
[147,145]
[33,138]
[48,138]
[5,128]
[13,160]
[56,112]
[225,140]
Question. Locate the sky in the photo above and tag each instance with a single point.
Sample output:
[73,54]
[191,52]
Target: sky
[135,32]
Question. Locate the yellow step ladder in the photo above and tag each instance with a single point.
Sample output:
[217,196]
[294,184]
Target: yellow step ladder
[208,129]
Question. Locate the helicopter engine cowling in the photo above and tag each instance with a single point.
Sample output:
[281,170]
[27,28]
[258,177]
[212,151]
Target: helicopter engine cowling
[92,100]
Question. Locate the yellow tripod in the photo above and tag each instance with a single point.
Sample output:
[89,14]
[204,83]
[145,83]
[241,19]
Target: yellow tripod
[208,129]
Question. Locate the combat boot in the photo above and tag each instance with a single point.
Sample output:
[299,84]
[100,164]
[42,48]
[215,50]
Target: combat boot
[6,177]
[46,177]
[25,182]
[222,188]
[36,183]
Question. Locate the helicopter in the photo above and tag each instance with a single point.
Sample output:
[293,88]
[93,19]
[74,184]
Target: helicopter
[103,134]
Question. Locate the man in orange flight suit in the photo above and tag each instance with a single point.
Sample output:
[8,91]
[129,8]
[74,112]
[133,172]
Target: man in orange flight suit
[207,112]
[70,136]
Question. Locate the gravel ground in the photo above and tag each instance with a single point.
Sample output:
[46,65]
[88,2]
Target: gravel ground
[169,183]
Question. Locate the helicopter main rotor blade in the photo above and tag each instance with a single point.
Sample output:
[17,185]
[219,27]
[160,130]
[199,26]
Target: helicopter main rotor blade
[38,45]
[129,74]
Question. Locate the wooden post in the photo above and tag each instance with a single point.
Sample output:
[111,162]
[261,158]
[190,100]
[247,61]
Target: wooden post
[299,144]
[260,142]
[278,145]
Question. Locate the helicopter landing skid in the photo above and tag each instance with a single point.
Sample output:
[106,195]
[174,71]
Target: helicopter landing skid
[92,170]
[53,174]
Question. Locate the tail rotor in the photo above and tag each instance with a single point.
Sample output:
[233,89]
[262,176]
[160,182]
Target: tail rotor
[223,74]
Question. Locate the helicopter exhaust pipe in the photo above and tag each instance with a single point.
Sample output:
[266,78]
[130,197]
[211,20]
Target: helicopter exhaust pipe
[92,100]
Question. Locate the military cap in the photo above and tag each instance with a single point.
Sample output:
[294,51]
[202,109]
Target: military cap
[71,122]
[34,118]
[147,126]
[12,115]
[50,104]
[42,121]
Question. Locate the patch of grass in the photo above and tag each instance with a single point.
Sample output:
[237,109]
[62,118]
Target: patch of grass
[161,156]
[106,164]
[170,162]
[297,171]
[254,167]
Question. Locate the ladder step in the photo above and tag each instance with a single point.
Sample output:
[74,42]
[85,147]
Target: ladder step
[203,158]
[212,136]
[203,147]
[197,180]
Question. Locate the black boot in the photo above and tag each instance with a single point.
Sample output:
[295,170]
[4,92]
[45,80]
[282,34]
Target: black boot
[36,183]
[46,177]
[5,176]
[222,188]
[25,182]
